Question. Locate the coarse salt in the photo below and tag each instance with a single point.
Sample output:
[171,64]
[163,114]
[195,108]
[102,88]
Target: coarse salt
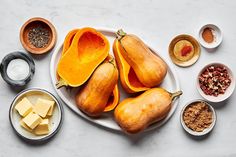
[18,69]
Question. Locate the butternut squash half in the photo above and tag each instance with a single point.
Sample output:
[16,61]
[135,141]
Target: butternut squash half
[115,95]
[88,49]
[135,114]
[128,78]
[68,40]
[94,96]
[149,68]
[66,44]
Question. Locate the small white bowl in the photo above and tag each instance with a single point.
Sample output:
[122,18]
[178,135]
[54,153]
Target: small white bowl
[221,97]
[55,121]
[217,34]
[205,131]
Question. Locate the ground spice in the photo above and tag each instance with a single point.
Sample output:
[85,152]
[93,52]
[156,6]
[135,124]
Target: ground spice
[198,116]
[38,37]
[208,35]
[186,50]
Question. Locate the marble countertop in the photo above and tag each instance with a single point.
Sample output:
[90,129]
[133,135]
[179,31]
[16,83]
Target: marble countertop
[156,22]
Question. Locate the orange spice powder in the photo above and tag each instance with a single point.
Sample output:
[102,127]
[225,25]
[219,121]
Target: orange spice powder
[207,35]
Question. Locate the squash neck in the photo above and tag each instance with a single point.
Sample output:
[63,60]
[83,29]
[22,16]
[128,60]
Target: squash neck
[176,94]
[61,83]
[112,61]
[120,34]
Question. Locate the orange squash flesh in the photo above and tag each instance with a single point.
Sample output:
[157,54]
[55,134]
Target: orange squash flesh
[113,99]
[128,78]
[115,96]
[67,42]
[88,49]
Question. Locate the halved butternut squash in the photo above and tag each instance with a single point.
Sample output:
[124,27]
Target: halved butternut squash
[149,68]
[93,98]
[128,78]
[135,114]
[67,43]
[115,96]
[68,40]
[89,48]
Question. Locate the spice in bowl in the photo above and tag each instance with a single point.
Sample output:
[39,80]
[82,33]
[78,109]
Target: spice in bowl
[214,80]
[208,35]
[183,50]
[198,116]
[39,37]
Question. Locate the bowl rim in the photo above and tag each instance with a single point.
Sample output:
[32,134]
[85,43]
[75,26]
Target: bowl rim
[60,108]
[17,55]
[205,131]
[39,50]
[213,98]
[211,45]
[195,44]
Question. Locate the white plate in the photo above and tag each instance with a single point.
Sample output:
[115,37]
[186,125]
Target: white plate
[32,95]
[170,83]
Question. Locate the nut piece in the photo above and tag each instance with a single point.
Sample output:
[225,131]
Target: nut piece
[214,80]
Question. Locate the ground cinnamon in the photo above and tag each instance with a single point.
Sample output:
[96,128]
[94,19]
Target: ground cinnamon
[207,35]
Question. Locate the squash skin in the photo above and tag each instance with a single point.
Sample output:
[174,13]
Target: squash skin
[115,96]
[128,78]
[92,99]
[89,48]
[149,68]
[135,114]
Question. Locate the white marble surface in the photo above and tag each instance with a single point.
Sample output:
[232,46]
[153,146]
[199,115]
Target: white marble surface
[157,22]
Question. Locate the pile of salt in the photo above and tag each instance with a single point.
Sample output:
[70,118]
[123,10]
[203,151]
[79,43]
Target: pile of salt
[18,69]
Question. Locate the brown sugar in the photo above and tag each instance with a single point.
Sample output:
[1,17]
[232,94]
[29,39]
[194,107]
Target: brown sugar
[198,116]
[208,35]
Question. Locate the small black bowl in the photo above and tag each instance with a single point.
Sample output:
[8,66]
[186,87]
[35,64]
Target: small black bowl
[17,55]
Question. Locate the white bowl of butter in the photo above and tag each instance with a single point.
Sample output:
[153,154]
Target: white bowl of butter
[36,115]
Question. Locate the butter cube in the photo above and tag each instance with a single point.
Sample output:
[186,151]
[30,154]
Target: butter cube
[50,110]
[51,103]
[42,128]
[32,120]
[41,108]
[24,107]
[22,124]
